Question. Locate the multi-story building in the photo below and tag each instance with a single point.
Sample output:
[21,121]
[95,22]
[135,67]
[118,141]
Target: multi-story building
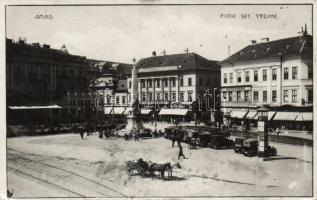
[40,81]
[277,74]
[109,80]
[176,81]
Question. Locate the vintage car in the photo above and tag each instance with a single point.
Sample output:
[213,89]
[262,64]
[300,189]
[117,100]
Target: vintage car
[145,133]
[250,147]
[238,144]
[202,138]
[270,151]
[220,141]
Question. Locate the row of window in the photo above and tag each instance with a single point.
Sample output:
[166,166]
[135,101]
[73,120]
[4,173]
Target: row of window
[117,100]
[256,75]
[165,82]
[78,102]
[264,95]
[164,97]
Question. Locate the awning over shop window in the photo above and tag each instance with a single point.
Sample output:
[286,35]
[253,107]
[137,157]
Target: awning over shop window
[238,113]
[128,110]
[251,114]
[108,110]
[285,116]
[305,116]
[271,114]
[34,107]
[145,111]
[118,110]
[181,112]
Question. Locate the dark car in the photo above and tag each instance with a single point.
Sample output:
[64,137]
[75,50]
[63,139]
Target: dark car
[145,133]
[250,147]
[238,144]
[219,141]
[202,138]
[271,151]
[65,129]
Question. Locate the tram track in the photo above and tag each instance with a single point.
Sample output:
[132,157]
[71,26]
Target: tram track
[58,176]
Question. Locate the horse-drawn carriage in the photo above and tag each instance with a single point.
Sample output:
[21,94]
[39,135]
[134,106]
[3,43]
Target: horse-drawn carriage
[148,168]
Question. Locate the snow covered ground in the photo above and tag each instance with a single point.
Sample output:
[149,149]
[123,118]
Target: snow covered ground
[66,166]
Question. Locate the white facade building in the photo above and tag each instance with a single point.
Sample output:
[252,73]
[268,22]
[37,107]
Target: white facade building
[277,74]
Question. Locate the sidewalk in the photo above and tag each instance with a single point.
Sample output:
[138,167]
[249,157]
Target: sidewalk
[294,133]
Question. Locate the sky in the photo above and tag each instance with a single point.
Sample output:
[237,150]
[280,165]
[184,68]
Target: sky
[121,33]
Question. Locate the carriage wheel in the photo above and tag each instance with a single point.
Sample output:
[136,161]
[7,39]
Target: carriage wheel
[129,172]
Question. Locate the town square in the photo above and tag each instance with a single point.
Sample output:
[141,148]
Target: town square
[159,101]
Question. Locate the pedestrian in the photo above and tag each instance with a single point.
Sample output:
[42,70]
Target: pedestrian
[81,132]
[179,138]
[180,153]
[277,132]
[173,135]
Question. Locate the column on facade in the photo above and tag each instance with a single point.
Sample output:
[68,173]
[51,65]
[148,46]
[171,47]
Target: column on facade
[153,88]
[169,89]
[162,89]
[147,89]
[139,89]
[177,89]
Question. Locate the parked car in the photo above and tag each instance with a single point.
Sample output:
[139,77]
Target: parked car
[65,129]
[38,130]
[250,147]
[271,151]
[145,133]
[238,144]
[219,141]
[203,138]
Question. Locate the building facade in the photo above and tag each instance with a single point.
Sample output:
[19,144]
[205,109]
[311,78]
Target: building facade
[176,81]
[110,80]
[277,74]
[37,75]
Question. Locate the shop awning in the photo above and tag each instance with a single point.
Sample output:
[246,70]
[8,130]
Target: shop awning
[181,112]
[271,114]
[251,114]
[118,110]
[108,110]
[34,107]
[128,110]
[285,116]
[145,111]
[304,116]
[238,113]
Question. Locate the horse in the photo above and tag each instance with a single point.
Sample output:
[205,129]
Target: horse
[162,168]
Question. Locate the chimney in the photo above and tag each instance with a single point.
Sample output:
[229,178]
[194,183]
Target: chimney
[37,45]
[46,46]
[153,53]
[22,40]
[253,41]
[265,39]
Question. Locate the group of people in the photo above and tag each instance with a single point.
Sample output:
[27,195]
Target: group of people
[103,131]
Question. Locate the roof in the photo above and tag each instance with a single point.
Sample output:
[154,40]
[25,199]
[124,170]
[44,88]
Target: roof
[35,50]
[300,45]
[186,60]
[109,67]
